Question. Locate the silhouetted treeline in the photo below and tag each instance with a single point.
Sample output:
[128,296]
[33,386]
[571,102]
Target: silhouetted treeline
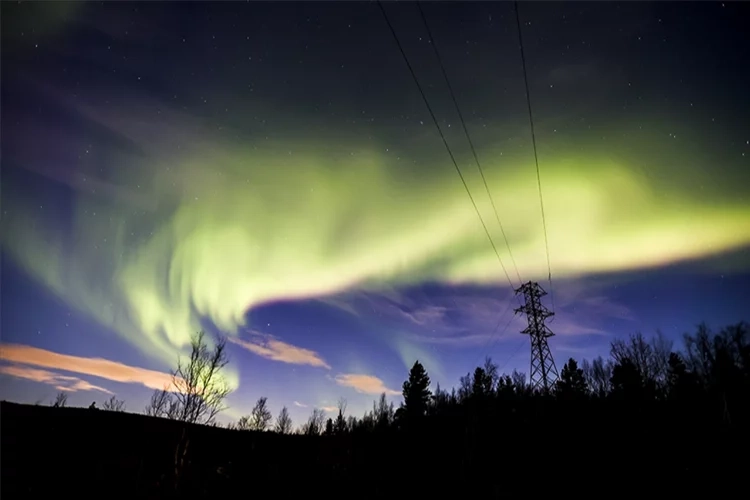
[651,418]
[706,383]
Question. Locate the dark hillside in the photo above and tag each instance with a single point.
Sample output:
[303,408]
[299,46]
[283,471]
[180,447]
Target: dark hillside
[72,451]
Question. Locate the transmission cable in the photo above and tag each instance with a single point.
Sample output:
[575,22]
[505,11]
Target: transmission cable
[513,355]
[466,132]
[533,143]
[490,342]
[442,136]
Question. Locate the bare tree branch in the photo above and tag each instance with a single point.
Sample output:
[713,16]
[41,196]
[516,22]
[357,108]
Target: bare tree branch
[159,404]
[258,419]
[283,422]
[114,404]
[61,400]
[314,424]
[198,388]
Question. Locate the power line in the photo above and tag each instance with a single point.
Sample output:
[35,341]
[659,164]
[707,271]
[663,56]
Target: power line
[492,339]
[466,132]
[533,142]
[520,345]
[442,136]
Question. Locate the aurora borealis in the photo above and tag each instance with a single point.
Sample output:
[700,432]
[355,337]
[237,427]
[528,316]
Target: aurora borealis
[269,172]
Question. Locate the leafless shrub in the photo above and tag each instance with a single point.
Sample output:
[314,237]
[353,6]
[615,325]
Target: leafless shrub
[61,400]
[198,388]
[283,422]
[162,404]
[114,404]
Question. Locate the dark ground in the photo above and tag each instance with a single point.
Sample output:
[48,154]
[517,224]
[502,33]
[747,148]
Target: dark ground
[77,452]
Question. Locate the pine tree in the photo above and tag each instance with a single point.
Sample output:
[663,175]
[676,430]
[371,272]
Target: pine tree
[482,384]
[627,381]
[572,382]
[681,383]
[416,392]
[329,427]
[339,427]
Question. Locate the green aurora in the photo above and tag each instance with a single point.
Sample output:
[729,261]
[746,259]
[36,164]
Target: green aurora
[229,226]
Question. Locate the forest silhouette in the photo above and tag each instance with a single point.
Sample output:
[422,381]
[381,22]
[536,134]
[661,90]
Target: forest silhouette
[650,416]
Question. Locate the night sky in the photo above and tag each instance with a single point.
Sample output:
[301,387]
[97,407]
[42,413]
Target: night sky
[270,172]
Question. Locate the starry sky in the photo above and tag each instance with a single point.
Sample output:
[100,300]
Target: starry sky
[270,172]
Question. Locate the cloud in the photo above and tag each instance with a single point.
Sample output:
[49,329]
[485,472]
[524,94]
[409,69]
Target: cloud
[582,308]
[426,315]
[97,367]
[567,327]
[583,352]
[339,302]
[588,297]
[603,306]
[60,382]
[271,348]
[471,340]
[366,384]
[471,316]
[327,409]
[457,316]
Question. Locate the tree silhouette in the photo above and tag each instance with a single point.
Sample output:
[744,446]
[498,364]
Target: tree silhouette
[465,388]
[195,396]
[283,423]
[521,385]
[627,381]
[506,387]
[598,374]
[162,404]
[382,412]
[199,385]
[572,383]
[704,392]
[198,388]
[329,427]
[416,393]
[314,424]
[261,416]
[650,359]
[243,424]
[61,400]
[441,400]
[340,425]
[114,404]
[482,386]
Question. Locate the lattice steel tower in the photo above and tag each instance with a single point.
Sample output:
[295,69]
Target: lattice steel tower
[543,372]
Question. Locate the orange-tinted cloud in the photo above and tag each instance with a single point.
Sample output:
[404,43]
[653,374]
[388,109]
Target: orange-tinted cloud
[97,367]
[329,409]
[268,347]
[366,384]
[60,382]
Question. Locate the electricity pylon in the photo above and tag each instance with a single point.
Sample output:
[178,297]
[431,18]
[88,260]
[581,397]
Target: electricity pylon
[543,372]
